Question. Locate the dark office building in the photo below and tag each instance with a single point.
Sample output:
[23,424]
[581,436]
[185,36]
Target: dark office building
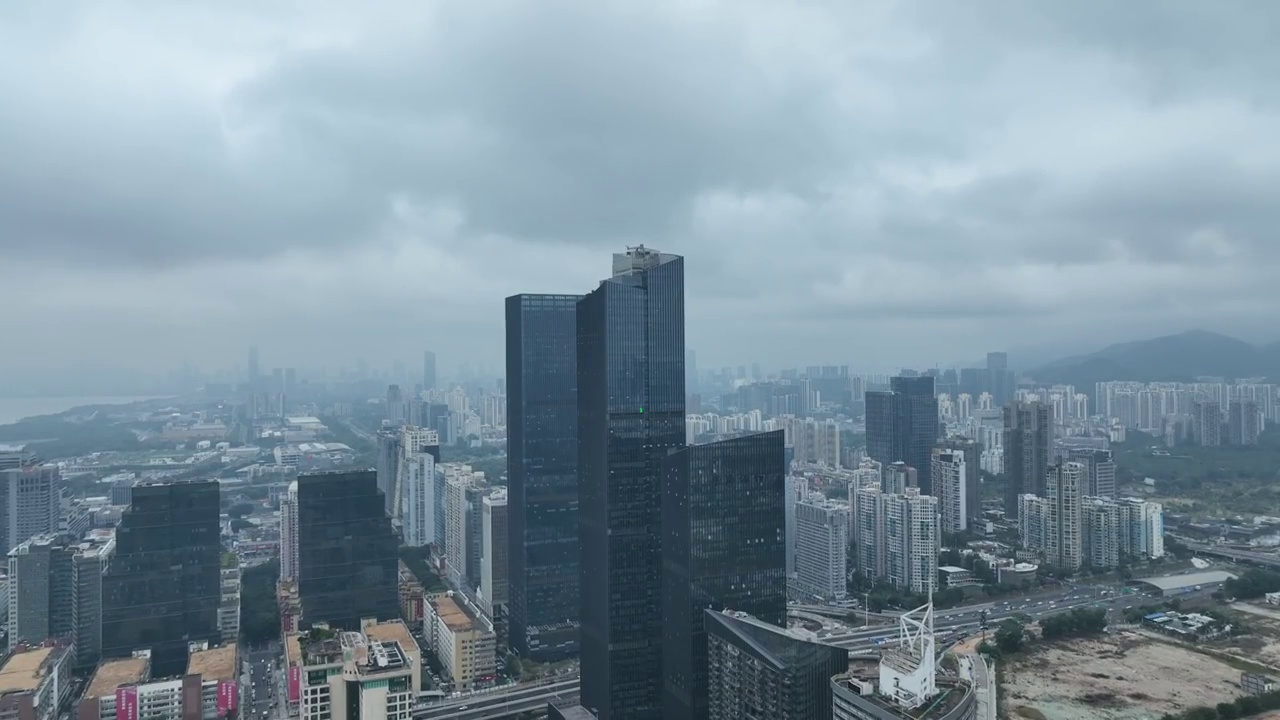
[630,415]
[388,467]
[723,546]
[1028,430]
[428,370]
[759,672]
[163,586]
[542,474]
[348,557]
[902,426]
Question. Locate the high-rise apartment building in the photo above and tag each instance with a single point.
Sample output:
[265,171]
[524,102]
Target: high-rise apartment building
[1143,522]
[759,671]
[950,480]
[822,546]
[494,561]
[971,451]
[162,589]
[1101,523]
[1027,434]
[1033,522]
[795,489]
[30,502]
[1244,422]
[1206,422]
[41,590]
[415,485]
[348,553]
[871,532]
[723,547]
[866,476]
[816,441]
[542,474]
[902,425]
[289,534]
[896,477]
[911,541]
[631,401]
[388,468]
[1100,470]
[463,541]
[1063,542]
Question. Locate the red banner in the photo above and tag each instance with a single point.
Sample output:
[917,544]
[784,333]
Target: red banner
[228,697]
[295,683]
[127,703]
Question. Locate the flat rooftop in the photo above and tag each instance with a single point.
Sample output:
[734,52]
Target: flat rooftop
[112,674]
[292,649]
[22,672]
[213,664]
[454,616]
[392,631]
[1175,582]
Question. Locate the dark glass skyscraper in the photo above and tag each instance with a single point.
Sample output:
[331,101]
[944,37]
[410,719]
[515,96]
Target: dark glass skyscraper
[631,415]
[542,474]
[348,558]
[1027,434]
[902,426]
[723,546]
[163,586]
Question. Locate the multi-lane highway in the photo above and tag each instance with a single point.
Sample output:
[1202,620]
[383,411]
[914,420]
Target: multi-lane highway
[260,694]
[947,623]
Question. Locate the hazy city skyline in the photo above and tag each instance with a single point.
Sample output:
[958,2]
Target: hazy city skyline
[859,182]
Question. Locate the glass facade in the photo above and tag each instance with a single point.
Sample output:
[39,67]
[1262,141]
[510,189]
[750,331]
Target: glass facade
[902,426]
[163,586]
[542,474]
[723,546]
[348,557]
[631,415]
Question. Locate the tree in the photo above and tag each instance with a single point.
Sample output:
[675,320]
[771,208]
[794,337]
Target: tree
[239,524]
[1009,636]
[240,510]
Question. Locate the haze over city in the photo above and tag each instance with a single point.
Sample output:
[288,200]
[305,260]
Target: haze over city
[883,184]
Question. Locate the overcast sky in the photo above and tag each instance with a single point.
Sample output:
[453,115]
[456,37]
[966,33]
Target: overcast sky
[877,183]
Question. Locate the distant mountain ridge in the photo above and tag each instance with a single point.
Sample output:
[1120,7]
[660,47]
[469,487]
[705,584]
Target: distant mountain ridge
[1170,358]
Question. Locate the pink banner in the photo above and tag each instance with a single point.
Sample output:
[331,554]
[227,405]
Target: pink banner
[127,703]
[295,683]
[228,697]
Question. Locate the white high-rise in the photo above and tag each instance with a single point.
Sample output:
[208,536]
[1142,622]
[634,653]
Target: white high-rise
[415,485]
[950,485]
[912,541]
[493,554]
[795,489]
[1063,541]
[1033,522]
[822,546]
[866,476]
[289,534]
[871,533]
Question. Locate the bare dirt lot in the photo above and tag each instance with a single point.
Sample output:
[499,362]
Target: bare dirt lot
[1120,677]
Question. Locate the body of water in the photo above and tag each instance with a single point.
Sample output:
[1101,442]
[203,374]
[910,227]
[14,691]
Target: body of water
[14,409]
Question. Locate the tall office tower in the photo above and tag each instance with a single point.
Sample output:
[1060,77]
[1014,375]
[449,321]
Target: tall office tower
[972,451]
[1063,548]
[397,409]
[428,370]
[871,533]
[542,474]
[348,553]
[415,485]
[1206,422]
[902,425]
[494,560]
[30,502]
[1243,422]
[41,590]
[462,494]
[1101,525]
[289,534]
[822,546]
[1027,434]
[1000,381]
[90,564]
[1099,469]
[912,542]
[896,477]
[631,413]
[254,371]
[162,588]
[440,497]
[950,480]
[1033,522]
[388,467]
[758,671]
[736,486]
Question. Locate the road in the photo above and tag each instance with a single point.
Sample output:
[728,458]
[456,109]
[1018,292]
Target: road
[1267,559]
[262,689]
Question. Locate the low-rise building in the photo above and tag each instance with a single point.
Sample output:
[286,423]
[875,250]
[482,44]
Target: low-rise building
[462,639]
[956,577]
[374,674]
[229,603]
[123,689]
[34,682]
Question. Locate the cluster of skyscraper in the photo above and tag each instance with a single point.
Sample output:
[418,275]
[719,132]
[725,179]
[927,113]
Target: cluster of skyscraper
[1203,413]
[617,526]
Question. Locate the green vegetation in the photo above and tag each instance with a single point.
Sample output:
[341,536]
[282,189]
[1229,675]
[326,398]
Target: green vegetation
[1241,707]
[1254,583]
[240,510]
[415,559]
[239,524]
[1079,622]
[53,436]
[1213,480]
[259,609]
